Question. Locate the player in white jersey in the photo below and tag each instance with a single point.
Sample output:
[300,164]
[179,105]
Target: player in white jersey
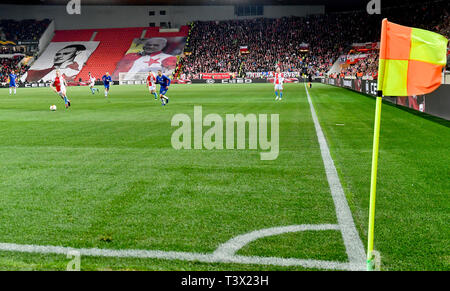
[92,84]
[151,83]
[278,82]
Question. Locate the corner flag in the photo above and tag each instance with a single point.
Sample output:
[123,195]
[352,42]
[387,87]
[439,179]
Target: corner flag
[411,63]
[411,60]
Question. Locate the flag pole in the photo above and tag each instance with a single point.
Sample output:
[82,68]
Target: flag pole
[376,141]
[435,49]
[373,181]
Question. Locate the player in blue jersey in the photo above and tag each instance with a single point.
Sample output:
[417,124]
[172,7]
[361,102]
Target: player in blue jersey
[164,84]
[106,82]
[12,82]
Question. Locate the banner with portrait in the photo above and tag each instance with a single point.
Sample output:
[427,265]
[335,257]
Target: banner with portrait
[68,57]
[150,55]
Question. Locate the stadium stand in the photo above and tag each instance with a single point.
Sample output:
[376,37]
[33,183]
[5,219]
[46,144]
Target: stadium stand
[9,64]
[367,67]
[110,50]
[114,43]
[29,29]
[11,32]
[73,35]
[271,42]
[214,46]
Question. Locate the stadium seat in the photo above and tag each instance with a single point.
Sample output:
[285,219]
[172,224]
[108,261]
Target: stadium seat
[114,43]
[73,35]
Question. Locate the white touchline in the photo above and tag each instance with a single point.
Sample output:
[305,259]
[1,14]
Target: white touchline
[352,241]
[183,256]
[226,253]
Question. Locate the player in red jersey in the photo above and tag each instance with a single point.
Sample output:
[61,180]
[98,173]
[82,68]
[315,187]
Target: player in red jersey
[151,83]
[278,82]
[59,86]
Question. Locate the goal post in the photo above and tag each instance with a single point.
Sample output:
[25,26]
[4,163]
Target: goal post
[133,78]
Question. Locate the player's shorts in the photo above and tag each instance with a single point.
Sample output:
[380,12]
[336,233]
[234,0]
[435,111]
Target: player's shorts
[278,87]
[12,84]
[152,88]
[92,84]
[62,92]
[106,86]
[163,91]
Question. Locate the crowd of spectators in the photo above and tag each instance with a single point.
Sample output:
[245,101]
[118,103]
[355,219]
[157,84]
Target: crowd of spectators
[23,30]
[14,31]
[7,65]
[364,67]
[215,46]
[432,15]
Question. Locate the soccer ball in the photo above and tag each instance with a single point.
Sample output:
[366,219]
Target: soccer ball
[53,108]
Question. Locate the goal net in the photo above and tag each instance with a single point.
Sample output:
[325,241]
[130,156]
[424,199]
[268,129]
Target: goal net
[133,78]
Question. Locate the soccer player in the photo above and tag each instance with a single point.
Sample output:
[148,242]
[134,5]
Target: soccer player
[92,84]
[12,82]
[106,80]
[151,83]
[278,82]
[59,86]
[164,83]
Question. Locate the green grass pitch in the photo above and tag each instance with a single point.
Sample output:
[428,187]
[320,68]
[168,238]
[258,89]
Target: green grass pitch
[103,174]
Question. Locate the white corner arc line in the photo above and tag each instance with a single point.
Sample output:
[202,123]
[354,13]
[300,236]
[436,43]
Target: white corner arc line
[352,241]
[230,248]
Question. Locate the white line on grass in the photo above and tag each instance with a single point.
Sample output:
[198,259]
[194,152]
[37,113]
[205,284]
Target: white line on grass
[352,241]
[233,245]
[183,256]
[226,253]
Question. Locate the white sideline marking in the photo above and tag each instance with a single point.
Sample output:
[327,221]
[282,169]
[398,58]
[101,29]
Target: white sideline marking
[226,253]
[184,256]
[352,241]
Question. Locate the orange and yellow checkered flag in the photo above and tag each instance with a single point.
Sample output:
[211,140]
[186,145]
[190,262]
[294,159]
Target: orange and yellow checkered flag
[411,63]
[411,60]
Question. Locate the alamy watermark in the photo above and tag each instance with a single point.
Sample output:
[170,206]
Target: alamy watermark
[75,262]
[374,7]
[376,260]
[73,7]
[190,135]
